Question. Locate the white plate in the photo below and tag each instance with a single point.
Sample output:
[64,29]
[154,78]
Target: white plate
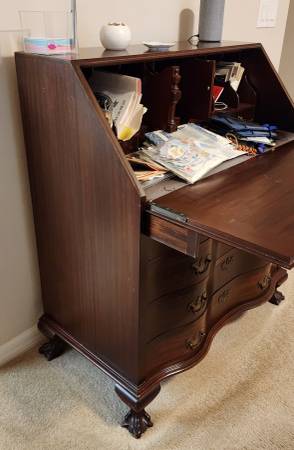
[159,46]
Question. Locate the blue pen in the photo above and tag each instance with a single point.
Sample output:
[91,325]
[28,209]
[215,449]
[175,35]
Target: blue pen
[261,148]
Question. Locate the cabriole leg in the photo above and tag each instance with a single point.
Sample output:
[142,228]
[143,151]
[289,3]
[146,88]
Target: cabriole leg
[53,348]
[137,420]
[277,298]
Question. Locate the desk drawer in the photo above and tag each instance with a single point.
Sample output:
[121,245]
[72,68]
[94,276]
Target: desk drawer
[232,264]
[177,344]
[240,290]
[173,271]
[173,310]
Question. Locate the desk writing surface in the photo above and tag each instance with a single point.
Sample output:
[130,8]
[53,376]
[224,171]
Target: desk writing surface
[250,206]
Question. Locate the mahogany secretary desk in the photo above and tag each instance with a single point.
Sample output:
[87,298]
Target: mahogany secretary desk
[139,281]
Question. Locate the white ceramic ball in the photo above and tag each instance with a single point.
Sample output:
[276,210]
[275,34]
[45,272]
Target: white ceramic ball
[115,36]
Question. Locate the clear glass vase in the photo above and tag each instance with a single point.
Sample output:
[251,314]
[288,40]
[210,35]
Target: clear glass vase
[48,32]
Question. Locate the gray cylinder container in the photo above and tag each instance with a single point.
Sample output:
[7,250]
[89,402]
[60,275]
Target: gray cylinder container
[211,18]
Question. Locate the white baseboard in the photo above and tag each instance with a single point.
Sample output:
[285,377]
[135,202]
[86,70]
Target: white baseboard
[20,344]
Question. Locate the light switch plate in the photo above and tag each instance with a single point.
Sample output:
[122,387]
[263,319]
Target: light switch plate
[267,14]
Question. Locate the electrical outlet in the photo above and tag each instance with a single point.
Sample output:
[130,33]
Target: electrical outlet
[267,14]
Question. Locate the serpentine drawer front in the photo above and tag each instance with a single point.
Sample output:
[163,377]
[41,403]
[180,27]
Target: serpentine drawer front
[178,343]
[231,264]
[169,270]
[241,289]
[188,296]
[177,308]
[202,311]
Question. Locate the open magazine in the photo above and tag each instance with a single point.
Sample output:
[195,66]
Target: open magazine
[121,96]
[190,152]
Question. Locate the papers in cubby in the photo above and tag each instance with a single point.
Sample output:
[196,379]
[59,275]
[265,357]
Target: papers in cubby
[190,152]
[229,71]
[123,94]
[148,172]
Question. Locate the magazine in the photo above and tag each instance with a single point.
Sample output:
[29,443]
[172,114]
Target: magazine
[190,152]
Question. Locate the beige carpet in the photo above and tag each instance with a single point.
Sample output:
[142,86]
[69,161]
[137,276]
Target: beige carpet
[241,396]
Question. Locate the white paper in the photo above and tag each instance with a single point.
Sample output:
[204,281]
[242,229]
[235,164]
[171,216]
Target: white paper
[267,14]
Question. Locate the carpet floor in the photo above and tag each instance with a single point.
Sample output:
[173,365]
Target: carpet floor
[240,397]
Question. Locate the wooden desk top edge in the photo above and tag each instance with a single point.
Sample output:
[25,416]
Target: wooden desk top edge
[135,53]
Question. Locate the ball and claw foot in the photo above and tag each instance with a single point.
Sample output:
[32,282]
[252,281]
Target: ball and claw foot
[137,422]
[277,298]
[52,349]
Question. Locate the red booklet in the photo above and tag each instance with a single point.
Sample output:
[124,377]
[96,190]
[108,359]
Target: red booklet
[216,92]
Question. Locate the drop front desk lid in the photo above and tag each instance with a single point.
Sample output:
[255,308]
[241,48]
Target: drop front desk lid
[249,206]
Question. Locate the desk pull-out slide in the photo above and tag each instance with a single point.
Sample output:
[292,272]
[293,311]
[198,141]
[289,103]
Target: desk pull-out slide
[249,206]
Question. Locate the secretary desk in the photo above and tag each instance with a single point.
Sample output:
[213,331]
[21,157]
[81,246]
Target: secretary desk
[137,280]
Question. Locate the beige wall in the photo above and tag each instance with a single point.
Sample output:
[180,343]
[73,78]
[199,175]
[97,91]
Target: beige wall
[287,59]
[160,19]
[153,20]
[19,283]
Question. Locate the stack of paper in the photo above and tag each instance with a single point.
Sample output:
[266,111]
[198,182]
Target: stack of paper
[229,71]
[123,94]
[145,169]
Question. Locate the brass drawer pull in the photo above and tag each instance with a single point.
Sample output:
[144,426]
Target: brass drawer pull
[265,282]
[198,304]
[193,343]
[201,264]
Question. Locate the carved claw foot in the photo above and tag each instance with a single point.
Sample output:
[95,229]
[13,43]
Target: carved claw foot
[137,422]
[277,298]
[52,349]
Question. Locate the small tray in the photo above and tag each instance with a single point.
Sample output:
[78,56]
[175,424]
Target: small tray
[159,46]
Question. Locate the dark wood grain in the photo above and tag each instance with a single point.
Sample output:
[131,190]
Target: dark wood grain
[86,210]
[161,95]
[274,105]
[197,79]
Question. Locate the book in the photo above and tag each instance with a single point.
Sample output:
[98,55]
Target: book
[121,95]
[217,92]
